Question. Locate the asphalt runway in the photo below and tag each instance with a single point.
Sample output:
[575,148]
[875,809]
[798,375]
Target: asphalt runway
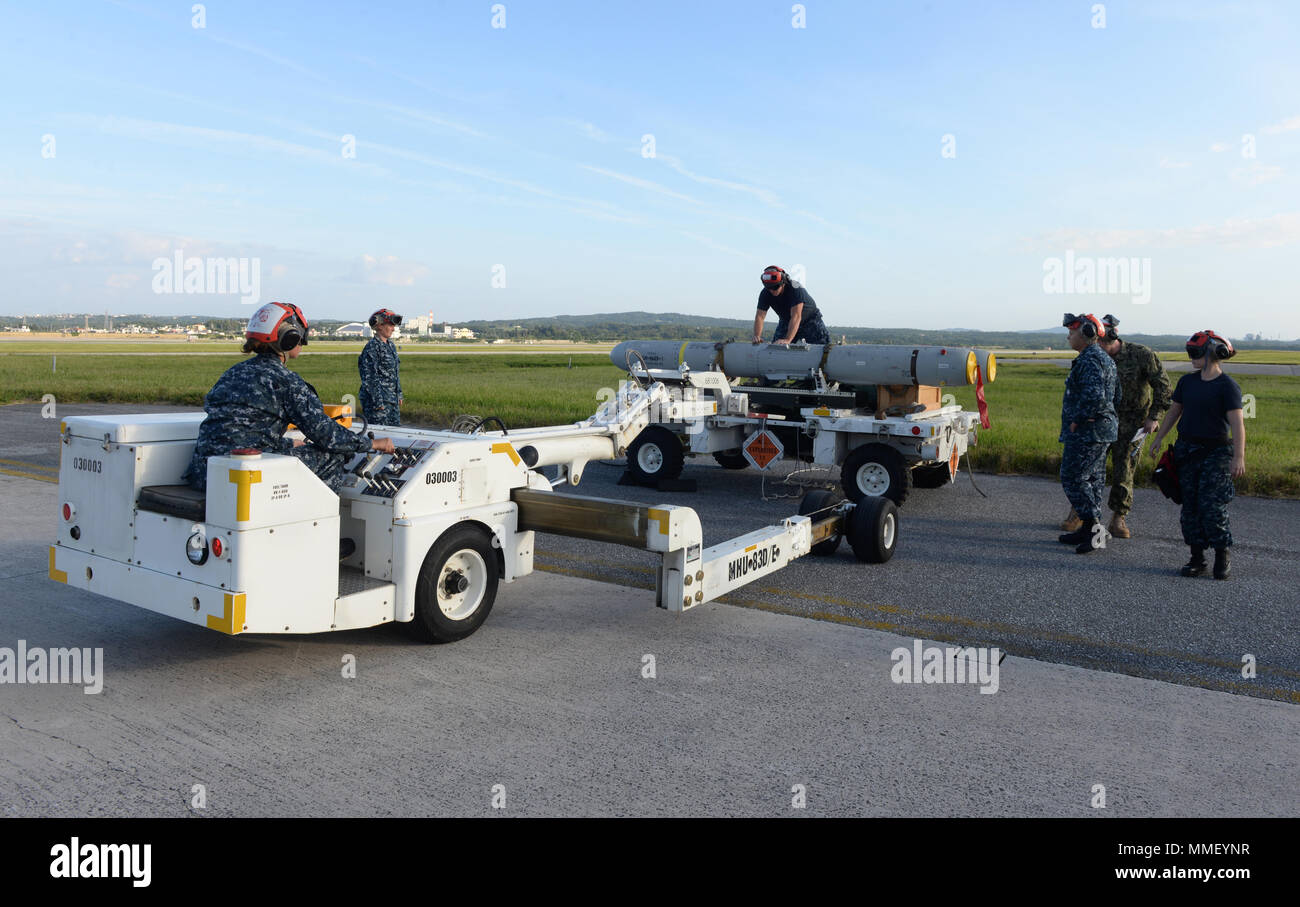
[969,569]
[777,695]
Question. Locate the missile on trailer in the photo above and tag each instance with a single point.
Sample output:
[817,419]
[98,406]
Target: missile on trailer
[853,363]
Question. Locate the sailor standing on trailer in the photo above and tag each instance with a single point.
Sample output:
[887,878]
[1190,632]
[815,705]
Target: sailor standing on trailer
[1089,426]
[799,316]
[252,404]
[381,379]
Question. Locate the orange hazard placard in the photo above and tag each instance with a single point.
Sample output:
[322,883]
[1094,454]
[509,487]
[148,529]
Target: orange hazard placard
[762,448]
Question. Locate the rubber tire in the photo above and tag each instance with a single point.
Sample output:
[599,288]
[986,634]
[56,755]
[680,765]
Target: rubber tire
[670,448]
[731,459]
[819,499]
[931,476]
[429,623]
[900,476]
[873,530]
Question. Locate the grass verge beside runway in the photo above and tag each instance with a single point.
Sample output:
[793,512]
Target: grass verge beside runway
[545,389]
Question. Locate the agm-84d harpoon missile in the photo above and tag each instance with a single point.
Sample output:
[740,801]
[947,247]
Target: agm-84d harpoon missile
[847,363]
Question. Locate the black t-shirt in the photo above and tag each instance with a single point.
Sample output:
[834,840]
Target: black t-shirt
[1206,405]
[791,296]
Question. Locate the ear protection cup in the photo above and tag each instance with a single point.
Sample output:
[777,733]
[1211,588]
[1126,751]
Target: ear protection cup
[1208,343]
[1088,329]
[1111,323]
[290,337]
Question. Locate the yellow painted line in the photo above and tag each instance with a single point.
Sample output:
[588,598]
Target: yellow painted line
[29,475]
[232,619]
[750,548]
[661,517]
[244,480]
[506,447]
[59,576]
[26,465]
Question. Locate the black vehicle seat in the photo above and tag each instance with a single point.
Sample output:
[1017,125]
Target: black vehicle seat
[174,500]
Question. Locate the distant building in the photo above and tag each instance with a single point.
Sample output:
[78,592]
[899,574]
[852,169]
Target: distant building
[353,329]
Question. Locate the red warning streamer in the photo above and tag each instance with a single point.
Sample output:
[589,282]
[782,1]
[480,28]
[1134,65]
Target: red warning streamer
[979,396]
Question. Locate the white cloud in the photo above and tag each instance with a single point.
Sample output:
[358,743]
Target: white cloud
[1218,147]
[1255,173]
[1251,232]
[641,183]
[764,195]
[1166,164]
[122,281]
[1290,124]
[388,270]
[590,130]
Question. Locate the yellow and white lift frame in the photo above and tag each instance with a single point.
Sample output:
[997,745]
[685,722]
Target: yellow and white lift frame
[436,525]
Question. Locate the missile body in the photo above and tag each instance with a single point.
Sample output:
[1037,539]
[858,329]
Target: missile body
[854,363]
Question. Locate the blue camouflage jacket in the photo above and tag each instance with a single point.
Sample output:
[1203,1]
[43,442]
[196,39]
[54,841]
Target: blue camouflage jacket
[1092,397]
[381,379]
[252,404]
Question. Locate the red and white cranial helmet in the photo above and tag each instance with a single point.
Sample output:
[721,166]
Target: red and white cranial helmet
[281,324]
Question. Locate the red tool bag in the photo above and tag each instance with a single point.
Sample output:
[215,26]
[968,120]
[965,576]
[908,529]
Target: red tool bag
[1166,477]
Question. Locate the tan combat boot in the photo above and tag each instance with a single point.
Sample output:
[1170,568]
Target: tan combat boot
[1071,522]
[1117,527]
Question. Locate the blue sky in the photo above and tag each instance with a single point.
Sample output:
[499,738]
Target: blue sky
[520,153]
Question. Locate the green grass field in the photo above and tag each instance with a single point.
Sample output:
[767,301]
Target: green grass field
[1257,357]
[1025,412]
[529,389]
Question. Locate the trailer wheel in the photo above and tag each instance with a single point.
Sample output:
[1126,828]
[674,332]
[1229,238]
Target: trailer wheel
[820,499]
[873,530]
[731,459]
[876,470]
[655,454]
[456,586]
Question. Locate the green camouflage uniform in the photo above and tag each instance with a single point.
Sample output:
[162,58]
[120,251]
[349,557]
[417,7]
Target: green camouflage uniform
[1146,396]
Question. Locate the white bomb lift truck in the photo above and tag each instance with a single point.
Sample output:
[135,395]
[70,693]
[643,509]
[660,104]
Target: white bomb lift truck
[436,525]
[883,419]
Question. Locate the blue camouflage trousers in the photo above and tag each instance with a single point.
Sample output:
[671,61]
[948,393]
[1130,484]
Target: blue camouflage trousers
[810,332]
[1083,475]
[327,464]
[1206,483]
[380,413]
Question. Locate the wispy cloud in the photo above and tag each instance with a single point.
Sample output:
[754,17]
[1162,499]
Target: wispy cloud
[1251,232]
[1290,124]
[416,116]
[640,183]
[1167,164]
[591,131]
[705,241]
[764,195]
[388,270]
[1255,173]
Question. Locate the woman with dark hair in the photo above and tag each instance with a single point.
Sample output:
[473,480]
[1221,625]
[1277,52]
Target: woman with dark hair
[253,403]
[1206,404]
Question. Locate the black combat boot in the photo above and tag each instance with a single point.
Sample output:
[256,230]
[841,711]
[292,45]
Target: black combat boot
[1089,530]
[1222,563]
[1196,565]
[1083,533]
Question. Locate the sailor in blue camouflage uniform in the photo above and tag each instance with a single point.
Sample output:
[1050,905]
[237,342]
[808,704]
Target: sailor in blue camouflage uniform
[1089,426]
[381,378]
[1206,404]
[252,404]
